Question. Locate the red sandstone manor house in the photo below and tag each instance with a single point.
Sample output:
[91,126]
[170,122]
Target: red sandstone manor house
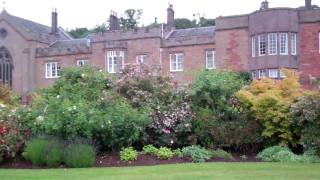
[262,42]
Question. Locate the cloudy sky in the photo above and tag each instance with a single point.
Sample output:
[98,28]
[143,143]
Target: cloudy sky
[88,13]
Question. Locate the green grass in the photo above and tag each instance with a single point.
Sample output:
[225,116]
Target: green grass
[220,171]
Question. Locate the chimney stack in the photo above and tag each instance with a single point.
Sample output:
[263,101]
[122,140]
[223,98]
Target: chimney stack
[54,22]
[264,5]
[170,16]
[308,4]
[113,21]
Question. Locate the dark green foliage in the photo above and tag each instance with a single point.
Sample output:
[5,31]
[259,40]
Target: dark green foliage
[268,154]
[198,154]
[44,151]
[150,149]
[79,32]
[164,153]
[130,19]
[128,154]
[177,152]
[219,153]
[219,122]
[306,114]
[184,23]
[203,22]
[80,155]
[35,151]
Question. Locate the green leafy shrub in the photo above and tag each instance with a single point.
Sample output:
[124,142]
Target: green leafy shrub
[128,154]
[79,155]
[164,153]
[221,154]
[150,149]
[44,151]
[269,154]
[219,123]
[169,109]
[54,153]
[177,152]
[1,157]
[197,153]
[306,114]
[35,151]
[283,154]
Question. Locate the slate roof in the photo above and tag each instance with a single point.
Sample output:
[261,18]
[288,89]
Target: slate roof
[32,30]
[193,32]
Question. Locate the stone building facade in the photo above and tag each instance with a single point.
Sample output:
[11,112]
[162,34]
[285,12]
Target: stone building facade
[262,42]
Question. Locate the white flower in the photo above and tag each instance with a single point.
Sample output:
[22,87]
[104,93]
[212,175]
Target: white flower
[74,107]
[82,75]
[39,119]
[2,105]
[58,96]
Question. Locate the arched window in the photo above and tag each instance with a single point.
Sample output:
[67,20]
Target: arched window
[6,67]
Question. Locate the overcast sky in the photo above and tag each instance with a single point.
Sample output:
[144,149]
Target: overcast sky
[88,13]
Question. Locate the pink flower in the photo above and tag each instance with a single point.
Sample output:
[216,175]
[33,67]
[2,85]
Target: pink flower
[166,131]
[171,141]
[187,125]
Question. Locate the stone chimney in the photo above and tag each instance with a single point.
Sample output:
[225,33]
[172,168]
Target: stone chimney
[54,22]
[264,5]
[170,16]
[113,21]
[308,4]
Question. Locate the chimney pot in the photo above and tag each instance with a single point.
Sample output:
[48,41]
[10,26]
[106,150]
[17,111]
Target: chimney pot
[170,17]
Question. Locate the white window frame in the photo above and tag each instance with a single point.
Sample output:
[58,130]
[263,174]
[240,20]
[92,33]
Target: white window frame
[82,62]
[176,62]
[255,74]
[273,73]
[141,58]
[52,70]
[262,45]
[253,46]
[114,58]
[283,43]
[282,75]
[208,53]
[293,41]
[260,73]
[272,44]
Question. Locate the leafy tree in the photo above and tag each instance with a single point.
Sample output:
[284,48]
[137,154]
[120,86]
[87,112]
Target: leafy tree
[203,22]
[268,101]
[100,28]
[184,23]
[218,123]
[306,115]
[130,19]
[79,32]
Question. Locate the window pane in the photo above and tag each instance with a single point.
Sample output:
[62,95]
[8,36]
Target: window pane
[253,47]
[262,45]
[273,73]
[210,59]
[293,37]
[283,43]
[272,43]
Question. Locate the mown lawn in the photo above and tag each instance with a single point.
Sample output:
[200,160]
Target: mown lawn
[221,171]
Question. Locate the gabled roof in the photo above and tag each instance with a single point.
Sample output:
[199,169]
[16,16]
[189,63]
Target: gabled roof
[32,30]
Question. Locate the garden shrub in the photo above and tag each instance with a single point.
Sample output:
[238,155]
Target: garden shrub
[164,153]
[128,154]
[177,152]
[44,151]
[35,150]
[269,102]
[82,103]
[219,123]
[198,154]
[150,149]
[80,155]
[168,108]
[284,154]
[219,153]
[306,115]
[268,154]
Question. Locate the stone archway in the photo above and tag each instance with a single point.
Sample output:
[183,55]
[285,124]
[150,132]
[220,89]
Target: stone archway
[6,67]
